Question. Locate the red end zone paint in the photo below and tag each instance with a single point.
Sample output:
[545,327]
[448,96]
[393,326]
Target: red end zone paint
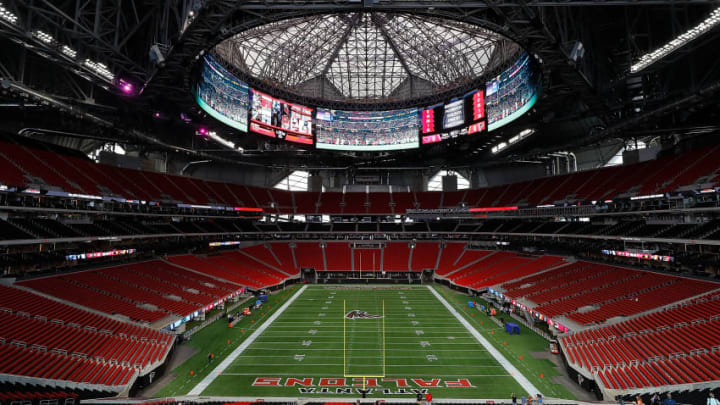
[461,383]
[306,382]
[332,382]
[357,382]
[267,382]
[435,382]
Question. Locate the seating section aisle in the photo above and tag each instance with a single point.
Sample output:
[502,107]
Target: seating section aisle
[25,166]
[278,256]
[106,281]
[511,269]
[235,267]
[144,275]
[284,253]
[449,255]
[532,287]
[473,260]
[197,264]
[101,301]
[26,362]
[591,293]
[145,292]
[11,394]
[671,346]
[18,300]
[58,341]
[262,273]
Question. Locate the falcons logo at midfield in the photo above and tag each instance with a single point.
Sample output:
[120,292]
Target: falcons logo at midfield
[355,314]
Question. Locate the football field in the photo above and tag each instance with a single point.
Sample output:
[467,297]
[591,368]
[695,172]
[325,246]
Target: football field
[339,340]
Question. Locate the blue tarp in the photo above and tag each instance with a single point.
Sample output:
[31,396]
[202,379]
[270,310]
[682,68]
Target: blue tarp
[263,298]
[471,304]
[512,328]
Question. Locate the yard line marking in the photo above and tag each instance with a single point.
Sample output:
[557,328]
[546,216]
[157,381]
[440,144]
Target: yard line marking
[330,375]
[284,356]
[414,366]
[200,387]
[473,343]
[394,350]
[329,324]
[519,377]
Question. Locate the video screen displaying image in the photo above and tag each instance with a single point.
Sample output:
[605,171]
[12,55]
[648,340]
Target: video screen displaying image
[222,95]
[512,93]
[367,130]
[454,114]
[280,119]
[462,117]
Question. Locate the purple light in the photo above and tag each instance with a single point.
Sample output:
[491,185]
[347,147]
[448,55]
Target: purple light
[156,115]
[203,131]
[126,86]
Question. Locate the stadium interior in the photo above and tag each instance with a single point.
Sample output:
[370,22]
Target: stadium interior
[324,202]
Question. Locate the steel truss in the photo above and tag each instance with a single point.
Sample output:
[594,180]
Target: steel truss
[119,34]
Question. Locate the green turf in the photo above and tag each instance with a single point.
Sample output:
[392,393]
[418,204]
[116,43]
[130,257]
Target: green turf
[214,339]
[517,345]
[422,340]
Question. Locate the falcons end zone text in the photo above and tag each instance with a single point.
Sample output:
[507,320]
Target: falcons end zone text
[385,386]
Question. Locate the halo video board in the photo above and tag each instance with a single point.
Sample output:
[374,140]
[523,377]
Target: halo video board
[512,93]
[367,130]
[279,119]
[222,95]
[465,116]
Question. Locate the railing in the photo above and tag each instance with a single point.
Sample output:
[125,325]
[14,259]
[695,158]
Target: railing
[333,236]
[213,318]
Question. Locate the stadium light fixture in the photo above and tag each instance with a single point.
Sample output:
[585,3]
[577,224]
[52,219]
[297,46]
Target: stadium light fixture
[100,69]
[217,138]
[499,147]
[69,52]
[521,135]
[688,36]
[43,36]
[7,15]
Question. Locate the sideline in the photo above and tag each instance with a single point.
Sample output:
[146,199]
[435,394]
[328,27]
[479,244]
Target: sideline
[200,387]
[519,377]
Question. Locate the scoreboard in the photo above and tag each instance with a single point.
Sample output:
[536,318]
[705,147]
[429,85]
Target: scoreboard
[465,116]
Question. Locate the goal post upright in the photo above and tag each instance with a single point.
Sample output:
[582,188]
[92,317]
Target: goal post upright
[344,344]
